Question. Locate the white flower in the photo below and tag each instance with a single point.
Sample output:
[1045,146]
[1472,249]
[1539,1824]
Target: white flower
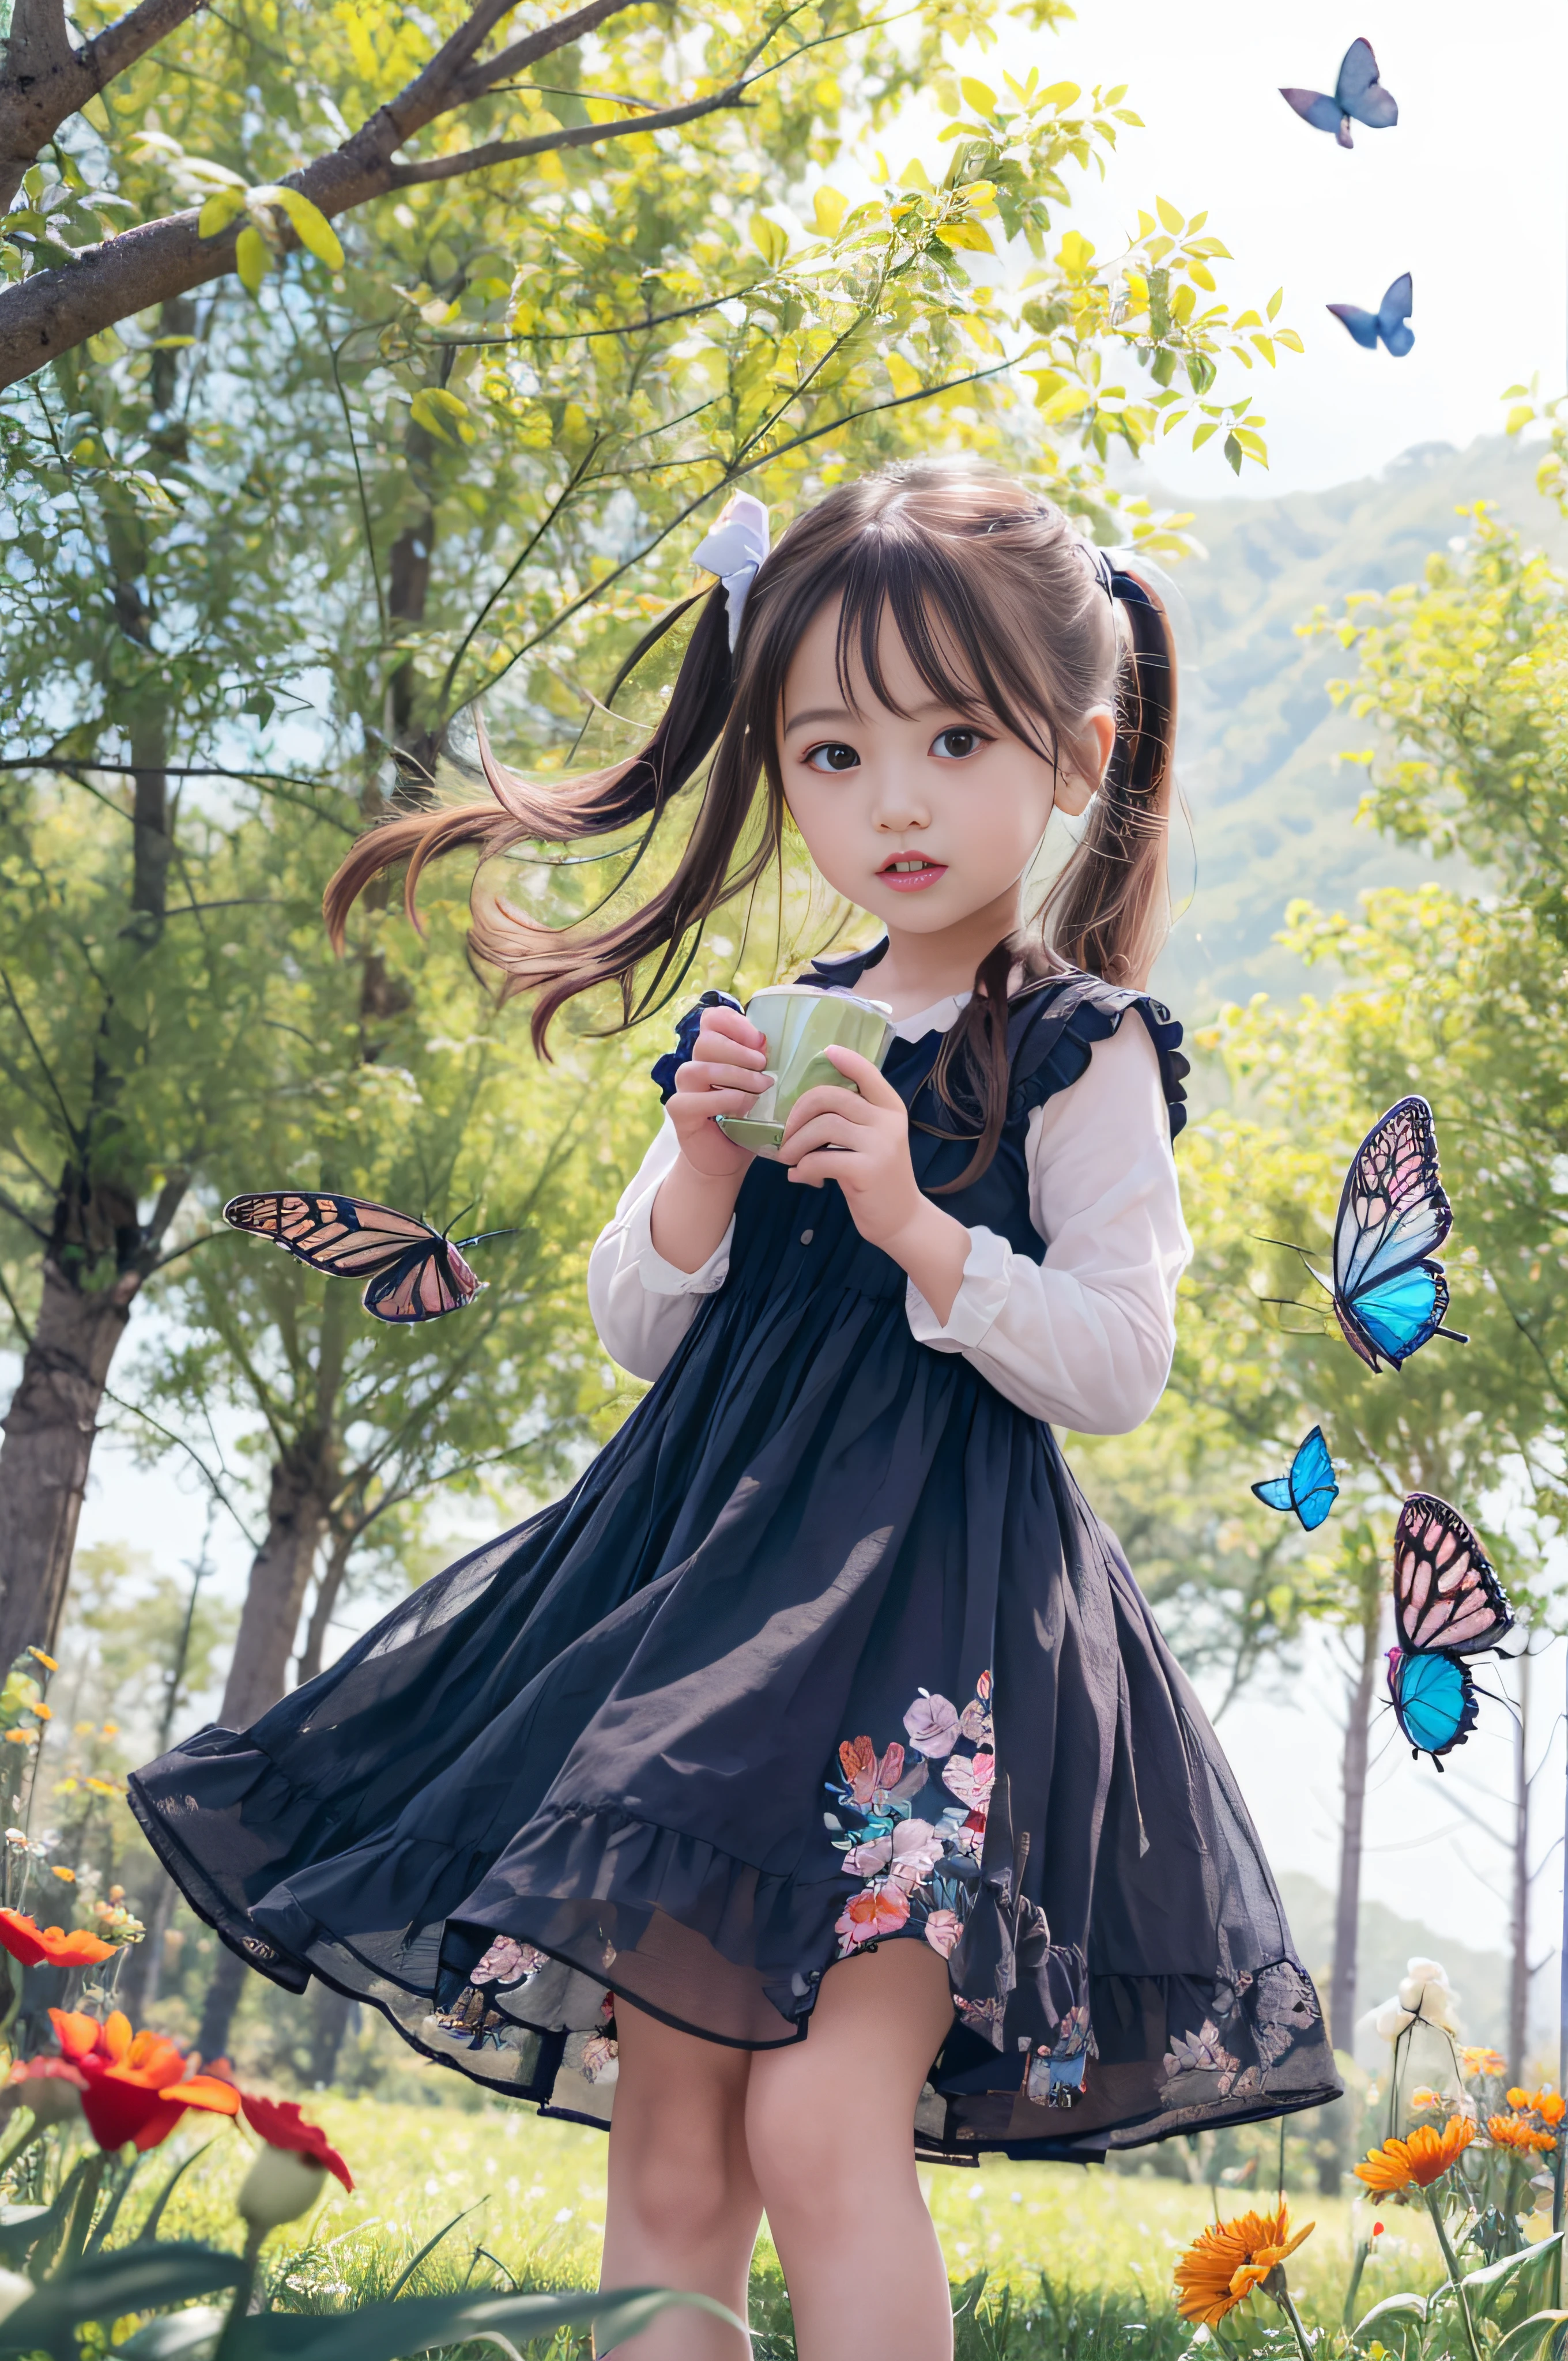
[1425,1997]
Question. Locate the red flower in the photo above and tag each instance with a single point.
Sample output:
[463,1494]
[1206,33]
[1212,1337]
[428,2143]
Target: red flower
[135,2085]
[49,1946]
[281,2125]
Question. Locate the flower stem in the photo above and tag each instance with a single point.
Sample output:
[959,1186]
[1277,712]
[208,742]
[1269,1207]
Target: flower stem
[18,2148]
[1304,2342]
[240,2306]
[1434,2207]
[1357,2268]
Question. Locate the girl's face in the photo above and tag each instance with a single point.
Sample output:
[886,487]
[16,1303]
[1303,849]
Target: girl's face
[928,820]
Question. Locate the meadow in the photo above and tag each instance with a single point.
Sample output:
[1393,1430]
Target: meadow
[1045,2260]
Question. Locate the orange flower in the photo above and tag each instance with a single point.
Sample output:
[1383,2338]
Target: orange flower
[49,1946]
[1517,2132]
[1418,2161]
[1424,2101]
[1482,2061]
[1517,2098]
[1227,2261]
[137,2084]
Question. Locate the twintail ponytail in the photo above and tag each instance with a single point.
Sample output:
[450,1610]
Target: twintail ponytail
[1107,912]
[517,811]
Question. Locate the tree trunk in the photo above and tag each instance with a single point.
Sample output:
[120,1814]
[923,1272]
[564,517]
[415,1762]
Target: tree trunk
[329,2025]
[218,2008]
[280,1576]
[50,1429]
[139,1989]
[327,1597]
[1353,1788]
[1518,1965]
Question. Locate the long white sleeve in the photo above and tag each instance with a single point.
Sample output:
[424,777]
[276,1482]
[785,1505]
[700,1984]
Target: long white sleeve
[1085,1338]
[640,1305]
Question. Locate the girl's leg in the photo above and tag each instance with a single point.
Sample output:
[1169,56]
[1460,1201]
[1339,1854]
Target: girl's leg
[829,2125]
[684,2204]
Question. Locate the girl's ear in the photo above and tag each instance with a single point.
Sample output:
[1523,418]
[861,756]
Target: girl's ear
[1083,767]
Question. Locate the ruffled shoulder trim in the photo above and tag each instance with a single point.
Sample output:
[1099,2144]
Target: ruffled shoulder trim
[1055,1026]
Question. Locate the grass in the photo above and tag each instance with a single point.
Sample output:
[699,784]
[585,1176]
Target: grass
[1060,2264]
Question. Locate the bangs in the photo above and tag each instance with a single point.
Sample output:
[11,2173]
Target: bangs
[960,642]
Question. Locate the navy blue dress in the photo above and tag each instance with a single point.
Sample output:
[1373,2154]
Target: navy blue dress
[825,1649]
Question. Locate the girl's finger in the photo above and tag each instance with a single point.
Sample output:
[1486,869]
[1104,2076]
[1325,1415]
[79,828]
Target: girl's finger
[732,1026]
[740,1102]
[871,1083]
[709,1077]
[828,1131]
[827,1100]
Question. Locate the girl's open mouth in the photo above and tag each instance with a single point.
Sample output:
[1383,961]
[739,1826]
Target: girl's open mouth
[908,871]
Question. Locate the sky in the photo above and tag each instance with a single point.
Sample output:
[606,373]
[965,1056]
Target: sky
[1469,193]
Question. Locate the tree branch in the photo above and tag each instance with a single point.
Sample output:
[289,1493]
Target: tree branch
[44,80]
[52,311]
[581,134]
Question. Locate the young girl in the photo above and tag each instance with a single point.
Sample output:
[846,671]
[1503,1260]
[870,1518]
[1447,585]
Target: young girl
[813,1779]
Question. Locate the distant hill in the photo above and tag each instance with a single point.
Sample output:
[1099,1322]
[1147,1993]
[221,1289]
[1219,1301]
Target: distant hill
[1272,811]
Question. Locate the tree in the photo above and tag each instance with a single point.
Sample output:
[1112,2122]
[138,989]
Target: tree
[470,461]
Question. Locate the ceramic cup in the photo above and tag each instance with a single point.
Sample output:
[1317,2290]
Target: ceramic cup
[799,1022]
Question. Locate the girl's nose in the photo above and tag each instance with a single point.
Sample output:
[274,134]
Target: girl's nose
[899,804]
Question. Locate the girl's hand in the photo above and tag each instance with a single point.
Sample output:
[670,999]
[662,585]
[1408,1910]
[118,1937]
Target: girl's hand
[723,1075]
[860,1139]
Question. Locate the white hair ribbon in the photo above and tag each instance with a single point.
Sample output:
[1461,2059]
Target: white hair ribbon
[734,549]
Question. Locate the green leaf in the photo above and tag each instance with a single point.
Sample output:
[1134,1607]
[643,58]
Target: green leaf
[389,2332]
[1515,2283]
[250,260]
[438,412]
[132,2279]
[1395,2321]
[978,95]
[309,224]
[829,208]
[219,210]
[1525,2342]
[1233,453]
[177,2336]
[770,242]
[1173,221]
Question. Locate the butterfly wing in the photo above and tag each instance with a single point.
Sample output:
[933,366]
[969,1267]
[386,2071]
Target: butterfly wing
[1276,1493]
[1392,1209]
[1433,1700]
[1316,107]
[425,1283]
[1359,92]
[1313,1490]
[349,1237]
[1392,314]
[1363,325]
[1446,1592]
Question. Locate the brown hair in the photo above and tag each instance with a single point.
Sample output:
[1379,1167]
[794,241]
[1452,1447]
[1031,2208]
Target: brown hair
[1004,610]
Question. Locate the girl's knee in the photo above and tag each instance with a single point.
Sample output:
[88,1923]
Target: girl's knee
[683,2177]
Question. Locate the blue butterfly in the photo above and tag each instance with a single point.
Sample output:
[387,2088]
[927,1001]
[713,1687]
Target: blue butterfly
[1388,1296]
[1448,1604]
[1309,1488]
[1388,321]
[1357,93]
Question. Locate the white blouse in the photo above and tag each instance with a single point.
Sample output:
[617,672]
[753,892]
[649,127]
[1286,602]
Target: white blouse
[1083,1339]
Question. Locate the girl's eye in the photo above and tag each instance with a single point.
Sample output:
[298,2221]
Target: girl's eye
[953,745]
[832,758]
